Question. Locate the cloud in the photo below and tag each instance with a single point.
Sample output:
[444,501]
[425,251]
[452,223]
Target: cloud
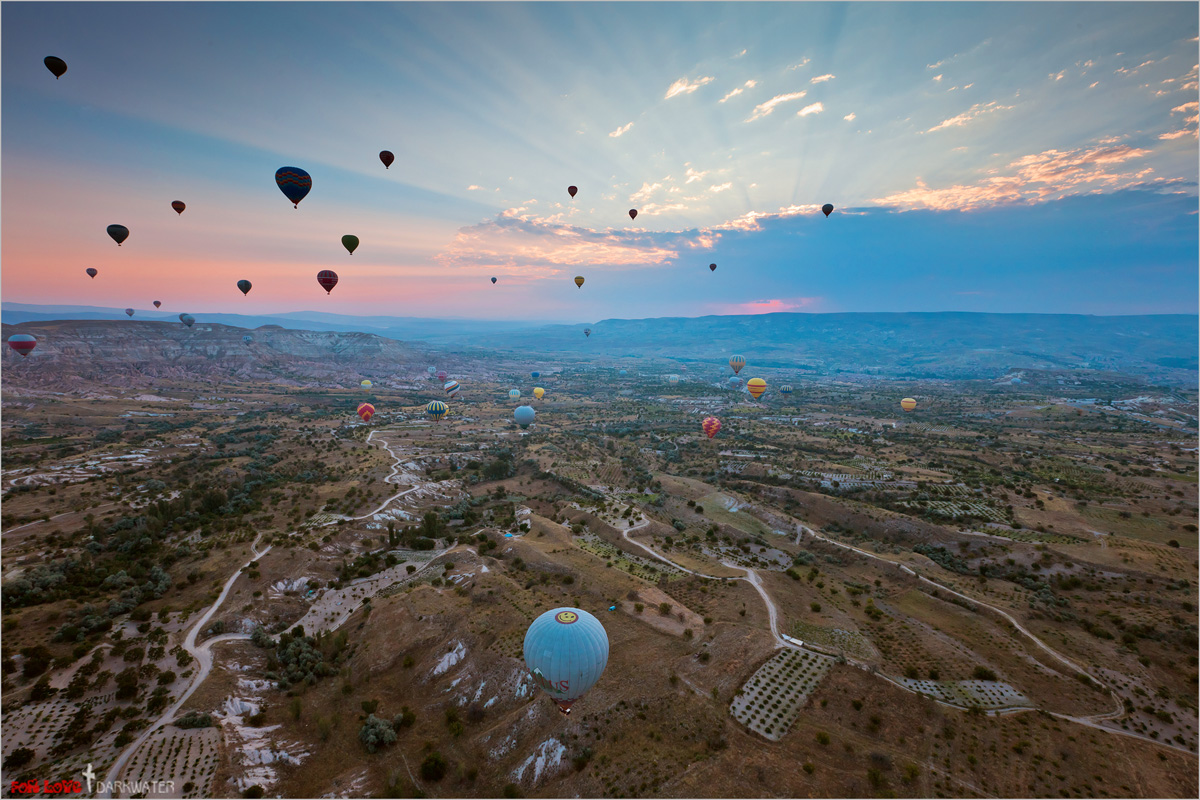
[1058,76]
[1049,175]
[750,220]
[774,306]
[682,86]
[764,109]
[822,78]
[722,187]
[937,78]
[621,130]
[803,63]
[815,108]
[734,93]
[973,112]
[474,188]
[739,55]
[1189,108]
[849,117]
[693,175]
[645,192]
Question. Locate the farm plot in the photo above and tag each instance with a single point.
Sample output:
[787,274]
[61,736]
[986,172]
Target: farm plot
[769,702]
[726,510]
[955,509]
[988,695]
[636,566]
[852,642]
[187,757]
[37,726]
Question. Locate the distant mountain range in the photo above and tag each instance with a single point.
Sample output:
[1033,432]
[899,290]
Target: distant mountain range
[952,345]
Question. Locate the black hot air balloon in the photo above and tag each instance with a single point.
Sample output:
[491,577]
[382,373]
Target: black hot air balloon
[712,267]
[328,279]
[493,280]
[158,303]
[119,233]
[827,208]
[178,205]
[387,157]
[92,272]
[56,65]
[244,285]
[633,213]
[572,190]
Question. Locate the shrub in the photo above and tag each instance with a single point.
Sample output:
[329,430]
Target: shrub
[983,674]
[664,608]
[376,733]
[822,737]
[816,607]
[433,768]
[809,767]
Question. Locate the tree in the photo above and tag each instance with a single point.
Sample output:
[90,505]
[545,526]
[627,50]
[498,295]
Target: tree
[433,768]
[376,733]
[18,758]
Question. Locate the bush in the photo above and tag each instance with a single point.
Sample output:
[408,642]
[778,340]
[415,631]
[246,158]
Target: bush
[511,790]
[376,733]
[816,607]
[809,767]
[254,790]
[664,608]
[18,758]
[983,674]
[822,737]
[433,768]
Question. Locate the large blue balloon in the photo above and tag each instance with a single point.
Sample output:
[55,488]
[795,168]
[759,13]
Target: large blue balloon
[524,416]
[566,650]
[294,182]
[536,374]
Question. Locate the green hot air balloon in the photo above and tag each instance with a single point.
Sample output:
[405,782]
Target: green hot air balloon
[566,650]
[350,242]
[524,416]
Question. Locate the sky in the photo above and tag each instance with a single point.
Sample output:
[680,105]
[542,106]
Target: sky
[1002,157]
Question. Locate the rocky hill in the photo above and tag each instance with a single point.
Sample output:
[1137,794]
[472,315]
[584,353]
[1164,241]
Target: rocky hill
[75,353]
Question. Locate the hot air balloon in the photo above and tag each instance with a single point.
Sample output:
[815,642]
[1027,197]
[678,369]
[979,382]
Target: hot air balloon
[633,213]
[566,650]
[514,394]
[827,208]
[579,281]
[712,267]
[366,385]
[786,389]
[710,426]
[92,272]
[737,362]
[350,242]
[524,416]
[441,375]
[158,303]
[244,285]
[587,332]
[756,386]
[451,388]
[436,410]
[247,339]
[493,280]
[672,379]
[119,233]
[539,392]
[535,375]
[735,382]
[572,190]
[56,65]
[908,404]
[387,157]
[622,372]
[328,279]
[178,205]
[187,319]
[294,182]
[129,312]
[23,343]
[366,411]
[431,370]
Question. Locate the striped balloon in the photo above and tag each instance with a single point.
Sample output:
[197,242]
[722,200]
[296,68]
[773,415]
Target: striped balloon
[514,394]
[23,343]
[451,388]
[785,389]
[436,410]
[294,182]
[710,426]
[328,279]
[737,362]
[908,404]
[566,651]
[756,386]
[366,384]
[366,411]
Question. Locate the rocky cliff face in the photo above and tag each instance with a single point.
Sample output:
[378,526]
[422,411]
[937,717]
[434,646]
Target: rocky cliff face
[128,354]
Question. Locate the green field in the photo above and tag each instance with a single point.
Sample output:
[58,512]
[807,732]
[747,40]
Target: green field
[714,509]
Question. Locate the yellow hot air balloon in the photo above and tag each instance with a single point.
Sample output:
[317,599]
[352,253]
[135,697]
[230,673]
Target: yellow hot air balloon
[538,392]
[756,386]
[908,404]
[579,281]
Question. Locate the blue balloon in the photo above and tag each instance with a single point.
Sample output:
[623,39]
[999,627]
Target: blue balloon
[536,374]
[294,182]
[566,650]
[524,416]
[247,339]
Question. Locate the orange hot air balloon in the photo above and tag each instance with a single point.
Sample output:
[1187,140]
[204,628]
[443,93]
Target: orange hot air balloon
[366,411]
[710,426]
[579,281]
[756,387]
[908,404]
